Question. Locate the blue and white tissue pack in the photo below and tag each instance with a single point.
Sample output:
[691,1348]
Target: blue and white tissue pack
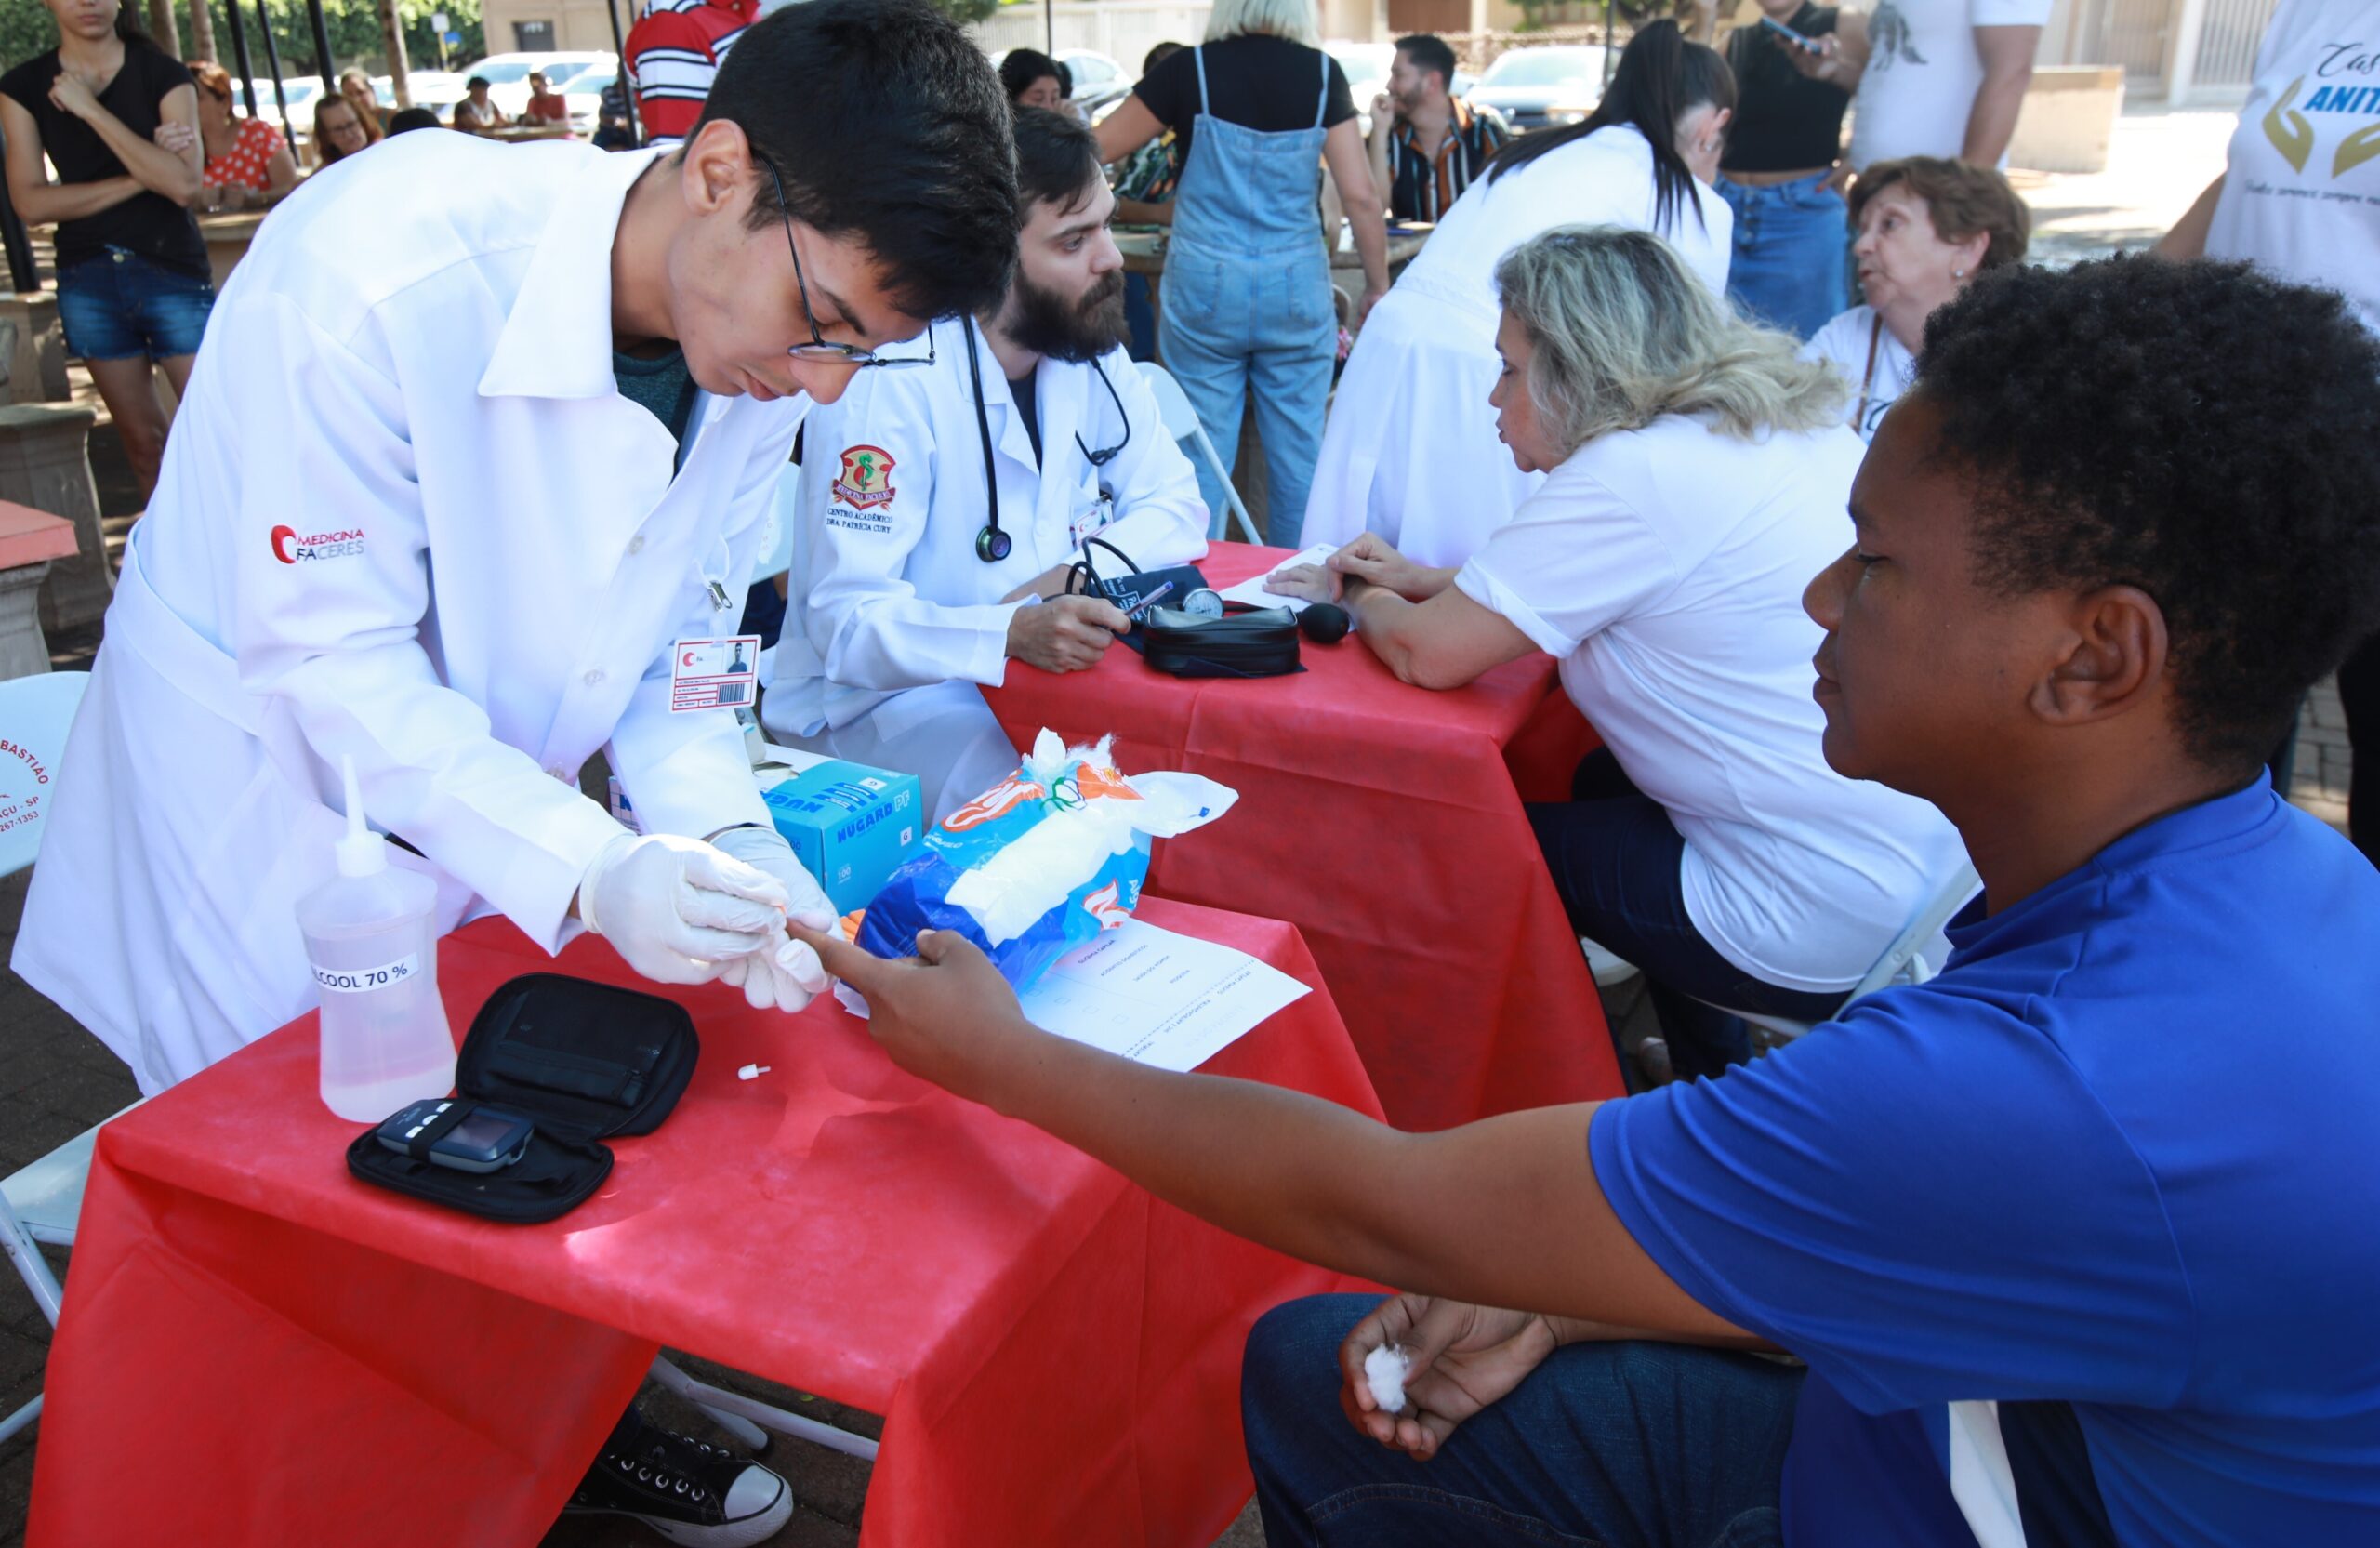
[1040,863]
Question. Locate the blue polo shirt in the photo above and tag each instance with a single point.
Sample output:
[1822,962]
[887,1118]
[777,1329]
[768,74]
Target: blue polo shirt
[2081,1239]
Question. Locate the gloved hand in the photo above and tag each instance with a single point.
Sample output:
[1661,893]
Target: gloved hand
[786,973]
[676,908]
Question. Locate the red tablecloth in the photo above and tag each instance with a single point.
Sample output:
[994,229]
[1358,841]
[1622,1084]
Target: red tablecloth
[1384,821]
[256,1349]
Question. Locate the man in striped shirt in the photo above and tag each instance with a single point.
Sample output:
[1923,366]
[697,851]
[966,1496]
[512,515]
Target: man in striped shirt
[1427,143]
[674,55]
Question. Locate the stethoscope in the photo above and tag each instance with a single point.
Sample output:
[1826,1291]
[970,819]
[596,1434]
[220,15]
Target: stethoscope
[992,544]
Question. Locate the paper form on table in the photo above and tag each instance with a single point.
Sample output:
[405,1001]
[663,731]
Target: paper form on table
[1163,998]
[1252,592]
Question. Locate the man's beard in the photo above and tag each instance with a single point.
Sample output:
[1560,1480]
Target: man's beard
[1069,328]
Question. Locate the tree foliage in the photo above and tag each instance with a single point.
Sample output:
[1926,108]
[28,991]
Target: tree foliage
[353,25]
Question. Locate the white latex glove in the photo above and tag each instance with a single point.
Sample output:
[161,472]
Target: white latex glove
[675,909]
[785,974]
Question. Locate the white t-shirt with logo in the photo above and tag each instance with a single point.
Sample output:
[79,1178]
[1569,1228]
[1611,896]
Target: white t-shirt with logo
[2301,197]
[1843,344]
[1922,73]
[1665,568]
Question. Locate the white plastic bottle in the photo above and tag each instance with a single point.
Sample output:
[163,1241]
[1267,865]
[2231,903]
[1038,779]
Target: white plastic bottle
[370,935]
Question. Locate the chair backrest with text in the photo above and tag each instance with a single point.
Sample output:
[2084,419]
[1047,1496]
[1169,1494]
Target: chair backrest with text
[35,715]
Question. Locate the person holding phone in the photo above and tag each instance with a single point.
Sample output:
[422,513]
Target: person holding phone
[1778,173]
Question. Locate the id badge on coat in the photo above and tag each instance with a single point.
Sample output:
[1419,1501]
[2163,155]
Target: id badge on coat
[1092,520]
[708,674]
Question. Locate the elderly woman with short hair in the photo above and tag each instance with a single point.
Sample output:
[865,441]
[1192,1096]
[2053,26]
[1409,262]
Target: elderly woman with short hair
[1698,478]
[1927,227]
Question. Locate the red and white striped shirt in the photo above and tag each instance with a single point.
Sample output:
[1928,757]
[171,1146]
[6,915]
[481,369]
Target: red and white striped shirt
[674,55]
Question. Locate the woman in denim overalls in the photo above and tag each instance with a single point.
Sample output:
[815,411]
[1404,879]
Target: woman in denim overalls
[1246,307]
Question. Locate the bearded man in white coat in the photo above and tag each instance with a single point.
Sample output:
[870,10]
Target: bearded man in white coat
[937,514]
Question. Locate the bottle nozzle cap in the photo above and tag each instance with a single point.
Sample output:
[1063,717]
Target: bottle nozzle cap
[361,851]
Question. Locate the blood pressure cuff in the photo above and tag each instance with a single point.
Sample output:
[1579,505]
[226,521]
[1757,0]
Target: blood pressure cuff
[1245,642]
[583,1061]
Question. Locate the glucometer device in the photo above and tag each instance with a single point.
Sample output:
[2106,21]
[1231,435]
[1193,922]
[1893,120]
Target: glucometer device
[457,1132]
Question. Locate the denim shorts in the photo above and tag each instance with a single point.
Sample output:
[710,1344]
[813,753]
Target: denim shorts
[120,306]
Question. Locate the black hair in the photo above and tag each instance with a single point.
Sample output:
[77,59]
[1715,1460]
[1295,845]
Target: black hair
[1429,51]
[129,32]
[1023,67]
[477,83]
[1158,53]
[1660,78]
[930,189]
[1057,159]
[2203,431]
[413,118]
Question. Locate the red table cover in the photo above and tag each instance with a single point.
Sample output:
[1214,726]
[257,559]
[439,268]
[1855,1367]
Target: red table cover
[1384,821]
[258,1349]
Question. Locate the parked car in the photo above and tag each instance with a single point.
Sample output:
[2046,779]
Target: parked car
[438,90]
[1100,81]
[508,77]
[1533,87]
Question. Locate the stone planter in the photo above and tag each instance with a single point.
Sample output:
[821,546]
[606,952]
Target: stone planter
[29,541]
[45,463]
[37,364]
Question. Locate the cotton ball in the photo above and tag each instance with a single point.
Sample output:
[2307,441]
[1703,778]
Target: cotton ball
[1384,1371]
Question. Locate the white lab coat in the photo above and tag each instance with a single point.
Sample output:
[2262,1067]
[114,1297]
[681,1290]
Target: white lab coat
[1410,450]
[506,561]
[891,620]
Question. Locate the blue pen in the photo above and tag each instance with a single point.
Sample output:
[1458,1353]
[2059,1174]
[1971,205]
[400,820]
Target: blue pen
[1148,601]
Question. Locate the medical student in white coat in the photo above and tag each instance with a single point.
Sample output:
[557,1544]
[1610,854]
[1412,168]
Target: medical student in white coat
[1410,450]
[909,590]
[412,516]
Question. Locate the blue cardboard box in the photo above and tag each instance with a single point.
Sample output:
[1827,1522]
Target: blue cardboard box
[851,825]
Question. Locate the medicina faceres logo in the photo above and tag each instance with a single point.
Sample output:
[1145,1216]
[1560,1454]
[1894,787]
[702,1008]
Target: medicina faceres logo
[2347,81]
[290,547]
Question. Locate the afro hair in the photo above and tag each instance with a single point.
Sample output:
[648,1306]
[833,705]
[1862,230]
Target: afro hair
[2201,430]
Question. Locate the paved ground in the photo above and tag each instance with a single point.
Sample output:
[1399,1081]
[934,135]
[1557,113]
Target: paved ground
[56,1081]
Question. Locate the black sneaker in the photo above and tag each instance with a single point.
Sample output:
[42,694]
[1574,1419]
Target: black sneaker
[689,1492]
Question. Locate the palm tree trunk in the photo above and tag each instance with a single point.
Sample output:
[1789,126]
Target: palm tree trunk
[202,31]
[393,33]
[162,28]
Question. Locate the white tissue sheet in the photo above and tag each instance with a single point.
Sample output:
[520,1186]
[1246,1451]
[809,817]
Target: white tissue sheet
[1384,1372]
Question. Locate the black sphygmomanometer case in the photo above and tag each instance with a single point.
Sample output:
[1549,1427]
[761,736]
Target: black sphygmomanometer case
[583,1061]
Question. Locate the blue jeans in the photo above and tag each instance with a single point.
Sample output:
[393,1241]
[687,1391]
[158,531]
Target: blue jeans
[1609,1445]
[123,307]
[1236,327]
[1790,268]
[1615,857]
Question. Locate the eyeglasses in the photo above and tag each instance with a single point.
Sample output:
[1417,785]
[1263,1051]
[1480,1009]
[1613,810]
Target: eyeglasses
[818,347]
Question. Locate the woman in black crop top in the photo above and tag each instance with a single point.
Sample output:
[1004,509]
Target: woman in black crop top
[1789,268]
[133,286]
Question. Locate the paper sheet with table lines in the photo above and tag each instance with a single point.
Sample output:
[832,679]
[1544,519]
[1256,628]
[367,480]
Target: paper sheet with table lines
[1166,1000]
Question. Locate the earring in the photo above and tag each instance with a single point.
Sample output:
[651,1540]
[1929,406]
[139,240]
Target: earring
[1958,273]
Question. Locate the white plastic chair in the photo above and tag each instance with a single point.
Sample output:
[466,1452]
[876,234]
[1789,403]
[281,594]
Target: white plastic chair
[42,1202]
[1915,956]
[1182,423]
[34,714]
